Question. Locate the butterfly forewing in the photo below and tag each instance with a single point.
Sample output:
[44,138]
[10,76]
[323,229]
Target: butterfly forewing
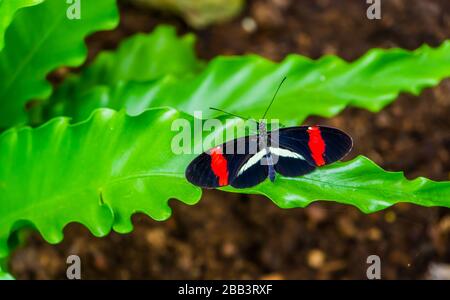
[219,166]
[318,145]
[337,143]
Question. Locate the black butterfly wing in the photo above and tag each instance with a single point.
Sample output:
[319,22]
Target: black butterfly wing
[250,171]
[220,165]
[290,164]
[299,150]
[199,172]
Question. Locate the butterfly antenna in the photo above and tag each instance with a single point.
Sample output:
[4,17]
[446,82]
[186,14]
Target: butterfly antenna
[228,113]
[274,96]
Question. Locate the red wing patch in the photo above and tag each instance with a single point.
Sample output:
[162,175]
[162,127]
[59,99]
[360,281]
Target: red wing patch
[317,145]
[219,165]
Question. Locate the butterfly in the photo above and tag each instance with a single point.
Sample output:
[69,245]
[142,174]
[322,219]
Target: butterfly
[248,161]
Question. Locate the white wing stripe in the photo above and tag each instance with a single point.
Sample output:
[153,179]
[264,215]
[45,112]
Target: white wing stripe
[259,155]
[252,161]
[285,153]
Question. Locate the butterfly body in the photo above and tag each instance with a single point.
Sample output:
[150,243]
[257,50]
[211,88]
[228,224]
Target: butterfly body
[263,138]
[247,161]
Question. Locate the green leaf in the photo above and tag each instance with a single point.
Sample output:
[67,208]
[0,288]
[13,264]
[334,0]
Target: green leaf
[359,182]
[40,39]
[245,85]
[162,50]
[4,275]
[101,171]
[97,173]
[7,10]
[143,57]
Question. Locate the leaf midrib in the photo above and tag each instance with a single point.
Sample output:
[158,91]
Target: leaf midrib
[341,186]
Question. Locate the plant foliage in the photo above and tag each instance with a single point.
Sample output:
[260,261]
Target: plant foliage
[8,8]
[40,39]
[141,58]
[5,275]
[101,171]
[244,84]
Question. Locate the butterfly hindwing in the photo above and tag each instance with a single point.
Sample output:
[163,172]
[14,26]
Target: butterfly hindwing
[251,171]
[290,163]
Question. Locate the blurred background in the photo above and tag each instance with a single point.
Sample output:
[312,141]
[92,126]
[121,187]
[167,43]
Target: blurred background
[230,236]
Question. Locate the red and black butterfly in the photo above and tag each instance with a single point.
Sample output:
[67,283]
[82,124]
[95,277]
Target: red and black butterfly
[294,152]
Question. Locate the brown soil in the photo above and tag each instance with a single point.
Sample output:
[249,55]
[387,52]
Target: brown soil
[236,236]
